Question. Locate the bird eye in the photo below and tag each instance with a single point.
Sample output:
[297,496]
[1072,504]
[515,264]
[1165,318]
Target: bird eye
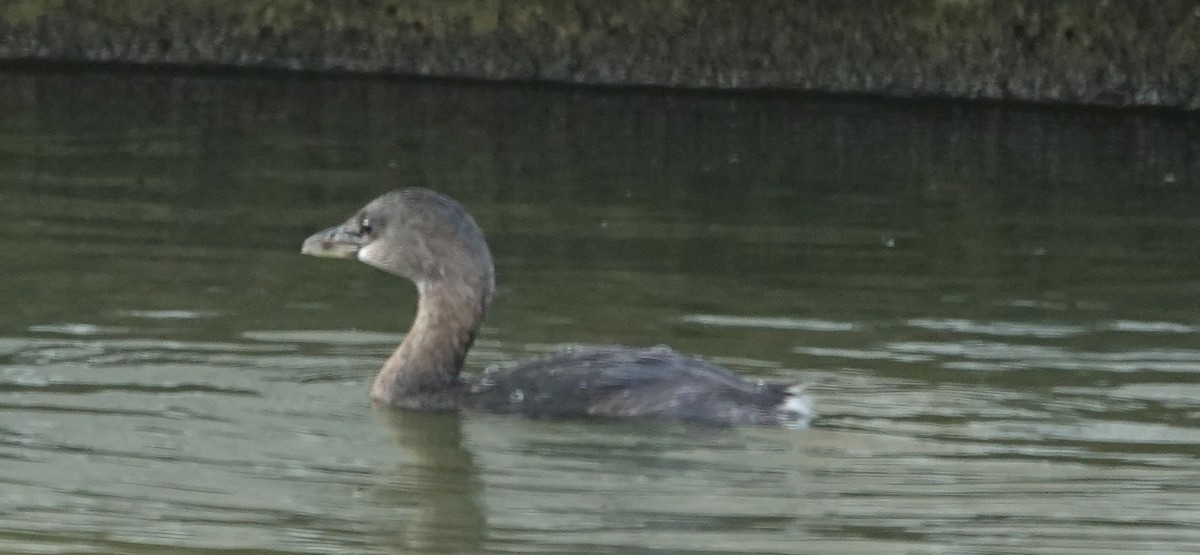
[365,226]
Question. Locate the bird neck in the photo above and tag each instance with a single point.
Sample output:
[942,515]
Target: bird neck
[431,356]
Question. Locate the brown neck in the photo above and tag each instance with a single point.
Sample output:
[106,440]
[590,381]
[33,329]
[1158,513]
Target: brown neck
[429,359]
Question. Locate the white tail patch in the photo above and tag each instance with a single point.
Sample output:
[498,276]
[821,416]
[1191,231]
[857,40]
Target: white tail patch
[796,409]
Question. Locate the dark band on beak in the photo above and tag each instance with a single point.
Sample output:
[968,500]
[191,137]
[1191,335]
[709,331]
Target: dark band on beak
[335,242]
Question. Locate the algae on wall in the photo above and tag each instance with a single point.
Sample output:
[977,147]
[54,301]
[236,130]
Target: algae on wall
[1114,52]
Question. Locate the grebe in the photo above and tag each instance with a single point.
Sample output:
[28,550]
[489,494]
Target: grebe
[430,239]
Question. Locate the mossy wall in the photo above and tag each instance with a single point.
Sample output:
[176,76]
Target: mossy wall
[1109,52]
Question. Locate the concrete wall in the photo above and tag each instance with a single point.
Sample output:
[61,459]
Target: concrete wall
[1107,52]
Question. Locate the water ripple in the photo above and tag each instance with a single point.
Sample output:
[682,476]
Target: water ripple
[805,324]
[1026,329]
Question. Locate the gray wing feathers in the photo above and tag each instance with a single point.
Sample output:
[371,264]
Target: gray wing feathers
[620,382]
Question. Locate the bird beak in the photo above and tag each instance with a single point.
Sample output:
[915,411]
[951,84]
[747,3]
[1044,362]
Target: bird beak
[335,242]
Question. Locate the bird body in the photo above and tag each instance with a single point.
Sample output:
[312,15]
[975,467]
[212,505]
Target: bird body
[430,239]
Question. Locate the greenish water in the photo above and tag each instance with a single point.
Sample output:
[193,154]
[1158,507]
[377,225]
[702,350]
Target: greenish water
[995,309]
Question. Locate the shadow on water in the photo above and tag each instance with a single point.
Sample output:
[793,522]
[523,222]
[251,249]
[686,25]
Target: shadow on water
[996,309]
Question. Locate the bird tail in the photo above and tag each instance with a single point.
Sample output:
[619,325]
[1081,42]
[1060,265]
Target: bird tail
[795,410]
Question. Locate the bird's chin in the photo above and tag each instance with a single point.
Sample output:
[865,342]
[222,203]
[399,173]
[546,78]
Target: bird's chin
[334,242]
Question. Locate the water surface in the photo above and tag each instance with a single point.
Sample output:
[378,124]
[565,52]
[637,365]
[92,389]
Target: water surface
[995,310]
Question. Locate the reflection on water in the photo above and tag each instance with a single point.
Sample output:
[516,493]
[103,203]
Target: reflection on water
[995,310]
[442,486]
